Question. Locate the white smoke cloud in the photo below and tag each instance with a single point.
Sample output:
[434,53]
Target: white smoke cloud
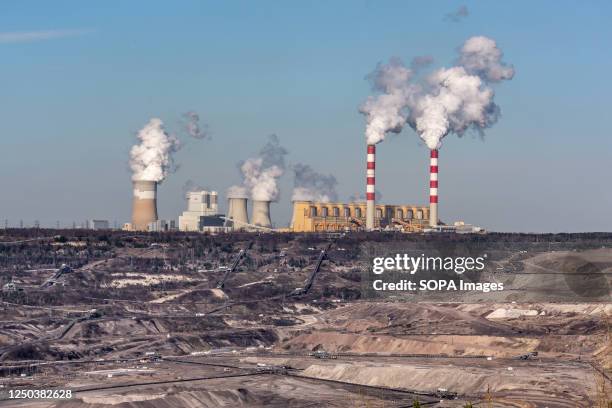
[480,56]
[151,159]
[448,100]
[260,174]
[193,128]
[386,112]
[460,98]
[457,102]
[313,186]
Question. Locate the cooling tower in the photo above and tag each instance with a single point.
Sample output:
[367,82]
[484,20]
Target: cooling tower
[261,214]
[144,208]
[237,211]
[433,188]
[370,186]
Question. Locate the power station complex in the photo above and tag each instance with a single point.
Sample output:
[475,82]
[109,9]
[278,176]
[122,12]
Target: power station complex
[202,214]
[310,216]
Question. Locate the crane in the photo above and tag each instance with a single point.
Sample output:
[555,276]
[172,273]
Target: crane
[232,268]
[54,278]
[313,274]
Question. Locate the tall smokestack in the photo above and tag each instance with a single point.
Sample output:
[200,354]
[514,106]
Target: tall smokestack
[144,208]
[433,188]
[261,214]
[370,185]
[237,211]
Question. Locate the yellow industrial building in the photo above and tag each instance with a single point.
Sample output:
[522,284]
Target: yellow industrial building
[310,216]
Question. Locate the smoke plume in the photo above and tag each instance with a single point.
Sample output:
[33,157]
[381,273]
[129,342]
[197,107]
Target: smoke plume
[192,126]
[312,186]
[460,98]
[260,174]
[151,159]
[237,192]
[386,112]
[480,56]
[448,100]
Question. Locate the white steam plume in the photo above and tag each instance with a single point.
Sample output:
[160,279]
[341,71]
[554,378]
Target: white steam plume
[260,174]
[386,112]
[237,192]
[460,98]
[449,100]
[151,159]
[457,101]
[480,56]
[312,186]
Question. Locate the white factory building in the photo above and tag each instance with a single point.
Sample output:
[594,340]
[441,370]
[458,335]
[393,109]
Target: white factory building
[202,213]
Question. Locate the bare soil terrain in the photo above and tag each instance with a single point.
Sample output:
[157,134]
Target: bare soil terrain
[161,320]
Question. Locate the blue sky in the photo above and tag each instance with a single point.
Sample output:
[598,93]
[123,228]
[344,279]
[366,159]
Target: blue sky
[79,78]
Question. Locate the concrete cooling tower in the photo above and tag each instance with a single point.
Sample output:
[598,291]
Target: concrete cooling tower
[237,211]
[144,208]
[261,214]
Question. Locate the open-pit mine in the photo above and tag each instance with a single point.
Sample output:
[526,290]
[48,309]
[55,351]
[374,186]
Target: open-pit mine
[130,319]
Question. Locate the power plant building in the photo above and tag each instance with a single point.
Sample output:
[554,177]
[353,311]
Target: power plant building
[310,216]
[98,224]
[199,204]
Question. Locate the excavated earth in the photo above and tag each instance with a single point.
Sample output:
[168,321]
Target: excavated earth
[142,322]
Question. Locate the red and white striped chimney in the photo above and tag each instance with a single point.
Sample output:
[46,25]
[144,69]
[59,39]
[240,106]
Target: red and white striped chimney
[433,188]
[370,186]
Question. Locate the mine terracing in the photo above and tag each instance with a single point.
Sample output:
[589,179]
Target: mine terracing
[126,319]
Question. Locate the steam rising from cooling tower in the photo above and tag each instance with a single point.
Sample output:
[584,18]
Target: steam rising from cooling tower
[310,185]
[150,161]
[260,176]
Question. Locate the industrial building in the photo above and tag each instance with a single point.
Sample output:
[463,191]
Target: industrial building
[310,216]
[161,226]
[98,224]
[202,213]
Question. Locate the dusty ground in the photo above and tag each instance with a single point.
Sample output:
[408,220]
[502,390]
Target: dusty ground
[131,309]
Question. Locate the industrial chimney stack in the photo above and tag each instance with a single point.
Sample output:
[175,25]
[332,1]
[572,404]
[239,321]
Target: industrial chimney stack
[370,187]
[433,188]
[237,211]
[144,208]
[261,214]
